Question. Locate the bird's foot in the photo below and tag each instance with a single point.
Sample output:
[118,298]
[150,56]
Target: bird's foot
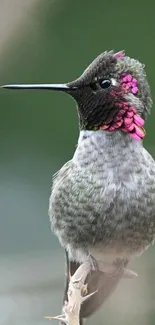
[93,263]
[119,264]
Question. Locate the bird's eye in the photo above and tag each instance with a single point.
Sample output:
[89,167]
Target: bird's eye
[105,83]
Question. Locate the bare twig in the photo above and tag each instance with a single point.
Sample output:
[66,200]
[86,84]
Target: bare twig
[77,291]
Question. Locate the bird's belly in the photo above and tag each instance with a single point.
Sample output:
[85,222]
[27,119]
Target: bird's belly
[110,219]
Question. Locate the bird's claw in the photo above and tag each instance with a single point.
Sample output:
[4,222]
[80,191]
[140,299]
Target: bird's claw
[93,263]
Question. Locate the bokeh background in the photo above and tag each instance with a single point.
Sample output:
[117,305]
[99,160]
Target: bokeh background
[53,41]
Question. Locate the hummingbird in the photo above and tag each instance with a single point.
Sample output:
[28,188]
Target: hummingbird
[102,204]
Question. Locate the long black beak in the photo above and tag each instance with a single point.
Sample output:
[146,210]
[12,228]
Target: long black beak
[60,87]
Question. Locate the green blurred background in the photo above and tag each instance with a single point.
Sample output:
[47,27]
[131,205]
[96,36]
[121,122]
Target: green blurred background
[53,41]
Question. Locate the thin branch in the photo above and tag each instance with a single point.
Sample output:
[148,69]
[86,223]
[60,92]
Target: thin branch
[77,291]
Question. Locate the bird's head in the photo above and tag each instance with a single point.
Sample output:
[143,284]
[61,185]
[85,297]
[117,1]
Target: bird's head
[111,94]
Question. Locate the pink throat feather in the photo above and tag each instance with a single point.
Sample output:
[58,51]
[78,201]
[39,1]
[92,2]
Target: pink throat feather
[127,120]
[129,83]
